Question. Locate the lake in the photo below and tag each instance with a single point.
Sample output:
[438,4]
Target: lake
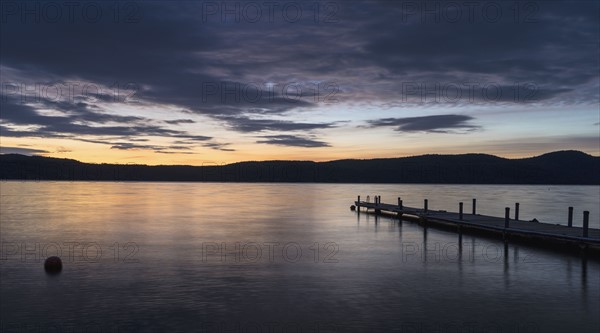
[258,257]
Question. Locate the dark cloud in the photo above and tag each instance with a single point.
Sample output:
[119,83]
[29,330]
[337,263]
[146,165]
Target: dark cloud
[23,151]
[174,152]
[245,124]
[435,124]
[215,69]
[81,122]
[192,137]
[220,70]
[8,132]
[129,146]
[179,121]
[509,47]
[161,54]
[78,120]
[218,146]
[292,141]
[180,146]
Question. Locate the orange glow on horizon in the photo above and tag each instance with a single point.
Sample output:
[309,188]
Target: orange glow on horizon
[98,153]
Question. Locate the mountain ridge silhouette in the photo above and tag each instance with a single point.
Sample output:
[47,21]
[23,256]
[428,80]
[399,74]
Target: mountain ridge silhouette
[559,167]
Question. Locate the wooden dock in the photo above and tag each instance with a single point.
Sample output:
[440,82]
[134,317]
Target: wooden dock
[533,232]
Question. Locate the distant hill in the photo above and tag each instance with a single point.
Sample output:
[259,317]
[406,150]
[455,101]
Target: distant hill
[562,167]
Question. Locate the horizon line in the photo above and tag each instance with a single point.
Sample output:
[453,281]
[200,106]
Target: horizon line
[214,164]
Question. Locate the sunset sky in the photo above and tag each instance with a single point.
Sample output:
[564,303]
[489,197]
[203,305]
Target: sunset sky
[217,82]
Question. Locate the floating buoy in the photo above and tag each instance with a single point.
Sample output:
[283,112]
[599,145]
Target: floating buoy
[53,265]
[352,207]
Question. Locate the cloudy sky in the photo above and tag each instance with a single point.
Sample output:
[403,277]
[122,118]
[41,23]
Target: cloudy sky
[196,82]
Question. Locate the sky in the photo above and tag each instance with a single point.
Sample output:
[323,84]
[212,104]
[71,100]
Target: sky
[214,82]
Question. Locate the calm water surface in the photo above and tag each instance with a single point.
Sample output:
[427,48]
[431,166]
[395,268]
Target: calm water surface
[222,257]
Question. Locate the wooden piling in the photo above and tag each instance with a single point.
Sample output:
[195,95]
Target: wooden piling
[516,211]
[425,204]
[506,216]
[460,210]
[474,206]
[570,217]
[586,223]
[400,208]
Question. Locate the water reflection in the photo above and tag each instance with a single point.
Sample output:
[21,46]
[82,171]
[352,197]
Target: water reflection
[584,264]
[506,266]
[513,257]
[460,256]
[389,274]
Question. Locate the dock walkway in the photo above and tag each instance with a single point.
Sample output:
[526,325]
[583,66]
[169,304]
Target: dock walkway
[505,226]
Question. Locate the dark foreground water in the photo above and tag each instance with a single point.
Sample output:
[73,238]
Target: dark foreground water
[210,257]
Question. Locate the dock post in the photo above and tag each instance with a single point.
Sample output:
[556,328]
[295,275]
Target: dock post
[460,211]
[570,216]
[358,204]
[474,206]
[425,205]
[506,216]
[400,207]
[586,221]
[516,211]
